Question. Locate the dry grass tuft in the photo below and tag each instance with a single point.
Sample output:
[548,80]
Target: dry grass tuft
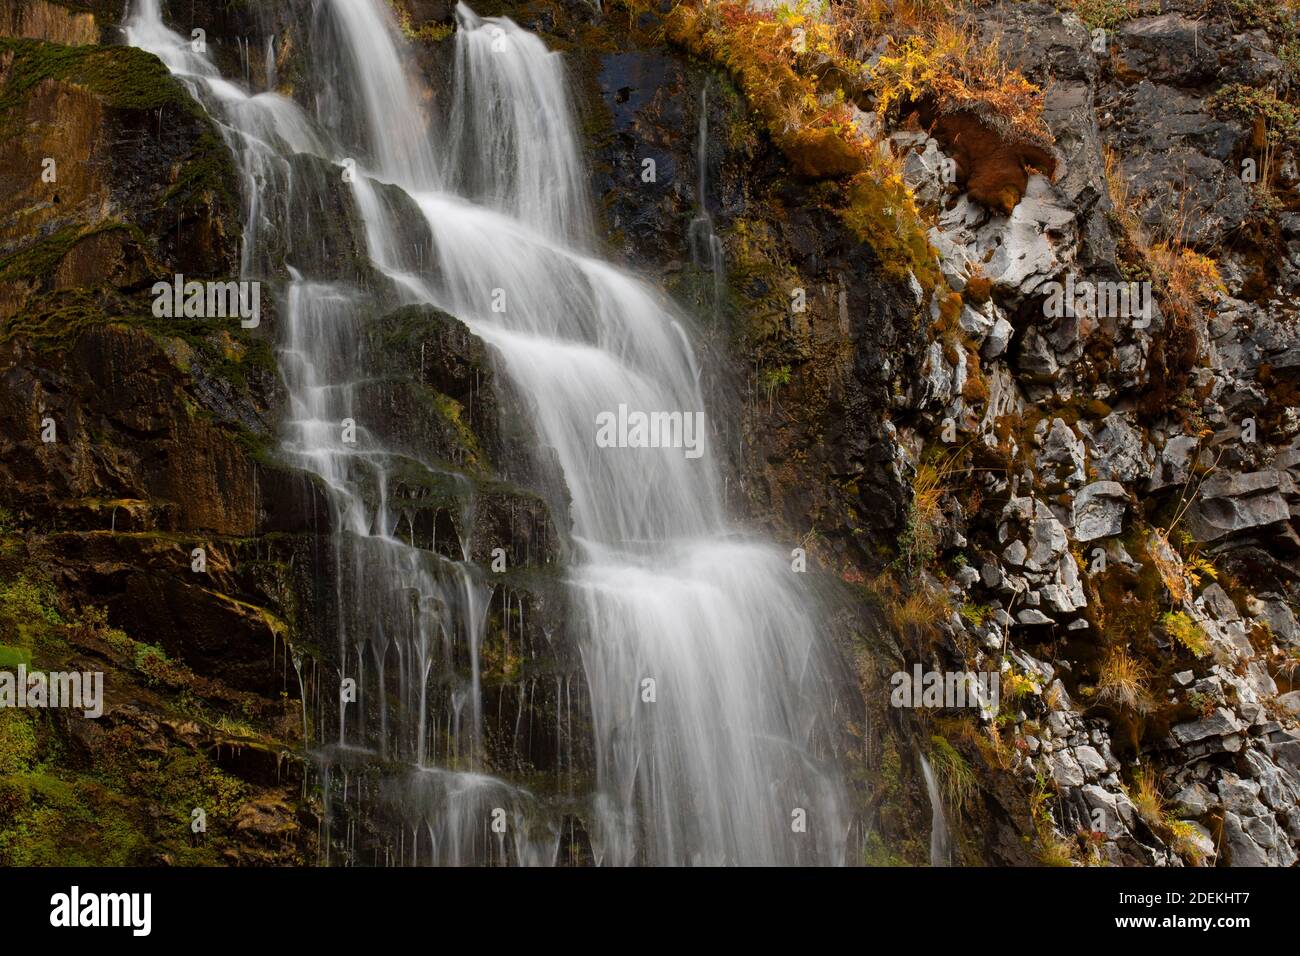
[1123,682]
[1145,794]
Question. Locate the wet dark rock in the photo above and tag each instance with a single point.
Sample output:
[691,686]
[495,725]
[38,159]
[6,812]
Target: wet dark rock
[1171,48]
[125,433]
[1210,197]
[652,116]
[438,351]
[152,159]
[1174,462]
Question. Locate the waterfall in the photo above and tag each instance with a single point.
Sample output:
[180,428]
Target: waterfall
[396,141]
[703,654]
[706,246]
[940,840]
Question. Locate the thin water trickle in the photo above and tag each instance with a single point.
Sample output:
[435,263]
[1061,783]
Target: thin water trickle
[711,767]
[706,245]
[940,838]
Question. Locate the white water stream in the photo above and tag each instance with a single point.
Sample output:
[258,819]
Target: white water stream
[940,838]
[731,753]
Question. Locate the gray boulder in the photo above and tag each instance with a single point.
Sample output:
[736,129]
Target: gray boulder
[1099,510]
[1241,849]
[999,338]
[1116,449]
[1174,463]
[1063,454]
[1230,503]
[1219,724]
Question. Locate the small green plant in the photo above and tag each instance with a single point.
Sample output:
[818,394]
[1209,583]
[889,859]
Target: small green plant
[18,744]
[1183,841]
[153,664]
[432,31]
[1145,794]
[920,537]
[1280,120]
[1053,850]
[1179,626]
[1289,54]
[955,777]
[24,600]
[1204,703]
[774,378]
[1015,686]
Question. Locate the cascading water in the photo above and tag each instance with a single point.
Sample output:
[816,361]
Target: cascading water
[940,839]
[703,661]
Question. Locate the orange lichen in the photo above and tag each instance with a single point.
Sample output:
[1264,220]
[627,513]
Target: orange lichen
[814,127]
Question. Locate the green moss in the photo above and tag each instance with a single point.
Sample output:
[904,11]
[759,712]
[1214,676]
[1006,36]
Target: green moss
[453,413]
[881,212]
[1180,626]
[28,605]
[431,32]
[122,76]
[1280,119]
[262,448]
[14,656]
[1104,13]
[147,656]
[48,821]
[129,79]
[209,172]
[876,853]
[54,322]
[762,279]
[240,356]
[41,258]
[17,742]
[187,780]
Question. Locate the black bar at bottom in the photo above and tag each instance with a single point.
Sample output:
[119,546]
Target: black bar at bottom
[335,906]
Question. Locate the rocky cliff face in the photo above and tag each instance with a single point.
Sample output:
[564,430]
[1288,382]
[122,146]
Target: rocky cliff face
[129,442]
[1095,502]
[1132,554]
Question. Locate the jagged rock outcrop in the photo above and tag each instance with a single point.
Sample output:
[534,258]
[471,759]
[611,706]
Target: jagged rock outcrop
[1151,464]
